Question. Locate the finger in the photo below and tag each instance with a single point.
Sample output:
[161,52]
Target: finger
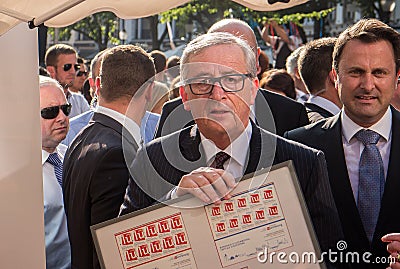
[199,193]
[211,193]
[393,247]
[391,237]
[218,183]
[199,185]
[229,179]
[189,184]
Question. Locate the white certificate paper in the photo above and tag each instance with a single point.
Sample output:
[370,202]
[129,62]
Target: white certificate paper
[266,214]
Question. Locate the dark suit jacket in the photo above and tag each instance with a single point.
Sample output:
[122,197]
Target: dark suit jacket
[95,177]
[316,113]
[178,154]
[274,113]
[326,135]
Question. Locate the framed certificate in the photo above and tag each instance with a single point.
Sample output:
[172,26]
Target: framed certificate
[264,225]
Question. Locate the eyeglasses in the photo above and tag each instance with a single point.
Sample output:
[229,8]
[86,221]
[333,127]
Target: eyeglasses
[205,85]
[82,73]
[51,112]
[67,67]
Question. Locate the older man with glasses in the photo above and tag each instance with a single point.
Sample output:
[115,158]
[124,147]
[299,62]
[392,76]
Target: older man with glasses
[61,62]
[218,85]
[54,125]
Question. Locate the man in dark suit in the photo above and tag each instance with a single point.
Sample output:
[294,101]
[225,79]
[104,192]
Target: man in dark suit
[218,90]
[366,65]
[95,174]
[315,68]
[273,112]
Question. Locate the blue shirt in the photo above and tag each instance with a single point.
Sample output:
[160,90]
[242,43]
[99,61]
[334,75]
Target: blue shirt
[147,126]
[58,252]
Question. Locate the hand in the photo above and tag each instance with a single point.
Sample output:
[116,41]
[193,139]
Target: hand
[208,184]
[393,248]
[271,22]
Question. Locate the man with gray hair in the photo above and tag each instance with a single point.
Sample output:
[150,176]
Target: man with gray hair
[292,68]
[218,88]
[54,111]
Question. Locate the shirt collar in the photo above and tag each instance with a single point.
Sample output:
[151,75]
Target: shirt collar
[382,127]
[235,149]
[129,124]
[60,149]
[324,103]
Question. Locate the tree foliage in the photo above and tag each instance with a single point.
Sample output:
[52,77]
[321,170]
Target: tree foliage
[101,27]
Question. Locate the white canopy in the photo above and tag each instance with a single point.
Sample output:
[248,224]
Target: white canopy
[59,13]
[21,193]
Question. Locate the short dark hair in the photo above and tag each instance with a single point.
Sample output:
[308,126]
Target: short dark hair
[367,31]
[315,63]
[279,79]
[173,66]
[52,53]
[160,60]
[124,69]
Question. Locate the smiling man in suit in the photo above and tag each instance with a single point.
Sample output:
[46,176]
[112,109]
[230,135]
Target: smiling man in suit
[364,175]
[273,112]
[218,85]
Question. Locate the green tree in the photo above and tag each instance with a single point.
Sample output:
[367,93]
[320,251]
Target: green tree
[101,27]
[207,12]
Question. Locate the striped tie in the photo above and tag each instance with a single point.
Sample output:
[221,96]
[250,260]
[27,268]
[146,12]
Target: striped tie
[220,158]
[56,162]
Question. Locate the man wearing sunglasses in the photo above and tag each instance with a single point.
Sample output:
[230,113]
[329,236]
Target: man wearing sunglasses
[218,85]
[95,172]
[61,62]
[80,77]
[54,125]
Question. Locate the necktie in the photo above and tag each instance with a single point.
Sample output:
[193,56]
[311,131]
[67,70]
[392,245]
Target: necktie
[220,158]
[56,162]
[371,181]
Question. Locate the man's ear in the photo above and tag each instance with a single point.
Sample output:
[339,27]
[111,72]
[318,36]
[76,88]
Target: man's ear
[184,97]
[254,90]
[257,61]
[334,77]
[52,71]
[98,83]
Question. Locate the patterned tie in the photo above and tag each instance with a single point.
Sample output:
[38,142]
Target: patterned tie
[371,182]
[56,162]
[220,158]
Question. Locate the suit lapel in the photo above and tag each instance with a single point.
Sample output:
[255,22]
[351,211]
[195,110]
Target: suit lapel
[331,141]
[189,145]
[392,185]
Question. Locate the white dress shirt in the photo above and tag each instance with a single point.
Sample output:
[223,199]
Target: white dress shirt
[324,103]
[129,124]
[58,252]
[236,164]
[353,148]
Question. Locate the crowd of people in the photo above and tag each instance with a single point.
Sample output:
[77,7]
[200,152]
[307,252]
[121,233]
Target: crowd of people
[111,132]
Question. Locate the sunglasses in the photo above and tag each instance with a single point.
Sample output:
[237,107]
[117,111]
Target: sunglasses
[51,112]
[67,67]
[82,73]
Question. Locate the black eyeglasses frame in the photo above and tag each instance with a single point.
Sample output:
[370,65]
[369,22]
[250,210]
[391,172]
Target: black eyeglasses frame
[52,112]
